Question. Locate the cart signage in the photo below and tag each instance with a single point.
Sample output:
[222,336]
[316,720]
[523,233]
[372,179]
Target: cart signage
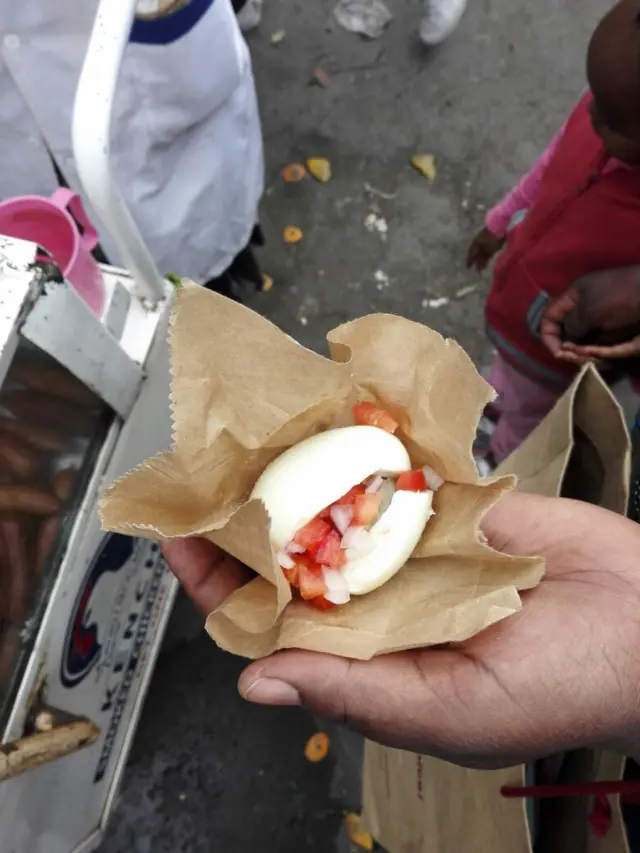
[82,643]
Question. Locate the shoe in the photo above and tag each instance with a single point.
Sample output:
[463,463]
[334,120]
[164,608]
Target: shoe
[249,15]
[440,19]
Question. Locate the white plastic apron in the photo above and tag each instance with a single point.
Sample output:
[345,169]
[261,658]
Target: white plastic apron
[187,147]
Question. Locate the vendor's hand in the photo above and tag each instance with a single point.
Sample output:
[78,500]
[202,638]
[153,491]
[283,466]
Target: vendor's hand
[483,247]
[562,674]
[598,317]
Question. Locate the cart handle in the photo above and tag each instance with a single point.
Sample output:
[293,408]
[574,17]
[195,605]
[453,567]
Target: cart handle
[91,135]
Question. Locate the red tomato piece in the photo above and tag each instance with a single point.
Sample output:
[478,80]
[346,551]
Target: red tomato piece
[311,583]
[330,553]
[321,603]
[412,481]
[350,498]
[312,535]
[366,509]
[367,414]
[293,575]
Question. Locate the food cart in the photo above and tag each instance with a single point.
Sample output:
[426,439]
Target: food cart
[83,398]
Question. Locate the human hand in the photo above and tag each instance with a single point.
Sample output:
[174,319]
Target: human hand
[561,674]
[600,316]
[483,247]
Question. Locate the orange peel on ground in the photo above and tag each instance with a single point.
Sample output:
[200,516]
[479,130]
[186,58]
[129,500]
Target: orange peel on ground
[317,747]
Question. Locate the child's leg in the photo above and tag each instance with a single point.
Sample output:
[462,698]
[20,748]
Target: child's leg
[521,405]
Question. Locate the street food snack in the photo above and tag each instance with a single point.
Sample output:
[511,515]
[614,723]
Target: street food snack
[346,483]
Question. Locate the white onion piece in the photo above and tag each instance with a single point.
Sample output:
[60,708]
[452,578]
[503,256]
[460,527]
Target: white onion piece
[294,548]
[342,516]
[434,481]
[285,560]
[337,590]
[338,597]
[375,485]
[351,535]
[358,544]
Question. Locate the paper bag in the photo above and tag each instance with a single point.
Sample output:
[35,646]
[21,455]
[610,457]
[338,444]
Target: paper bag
[242,393]
[415,804]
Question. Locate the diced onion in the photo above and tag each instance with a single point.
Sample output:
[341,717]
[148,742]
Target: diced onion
[342,516]
[375,485]
[357,543]
[337,589]
[294,548]
[351,535]
[434,481]
[285,560]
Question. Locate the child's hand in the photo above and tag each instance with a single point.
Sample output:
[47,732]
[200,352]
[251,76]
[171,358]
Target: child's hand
[598,317]
[483,247]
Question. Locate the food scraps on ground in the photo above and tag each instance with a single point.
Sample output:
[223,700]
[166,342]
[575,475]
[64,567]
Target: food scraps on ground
[293,173]
[346,508]
[319,168]
[355,833]
[320,78]
[267,282]
[278,37]
[317,747]
[426,165]
[292,234]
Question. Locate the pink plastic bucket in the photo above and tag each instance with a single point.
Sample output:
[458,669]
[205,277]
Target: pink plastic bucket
[47,222]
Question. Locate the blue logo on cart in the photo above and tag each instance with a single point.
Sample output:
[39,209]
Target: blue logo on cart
[81,650]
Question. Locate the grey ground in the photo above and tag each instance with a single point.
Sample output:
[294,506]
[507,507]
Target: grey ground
[207,771]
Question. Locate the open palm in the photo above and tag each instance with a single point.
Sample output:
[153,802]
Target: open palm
[563,673]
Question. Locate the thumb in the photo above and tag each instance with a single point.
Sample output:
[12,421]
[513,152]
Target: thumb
[404,699]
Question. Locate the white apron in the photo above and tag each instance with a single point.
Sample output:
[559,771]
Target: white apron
[187,146]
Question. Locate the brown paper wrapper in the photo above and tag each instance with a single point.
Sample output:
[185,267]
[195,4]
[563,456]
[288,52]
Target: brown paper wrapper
[242,392]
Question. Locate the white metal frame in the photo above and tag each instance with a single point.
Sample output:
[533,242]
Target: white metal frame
[91,135]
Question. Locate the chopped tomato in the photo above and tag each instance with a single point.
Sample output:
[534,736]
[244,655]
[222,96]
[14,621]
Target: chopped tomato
[412,481]
[321,603]
[366,509]
[350,498]
[311,583]
[367,414]
[330,553]
[293,575]
[325,514]
[312,535]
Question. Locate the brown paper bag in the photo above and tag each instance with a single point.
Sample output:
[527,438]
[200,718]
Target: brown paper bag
[415,804]
[242,392]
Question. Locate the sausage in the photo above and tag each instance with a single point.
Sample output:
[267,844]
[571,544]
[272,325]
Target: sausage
[46,539]
[27,499]
[63,484]
[15,563]
[16,458]
[37,435]
[56,381]
[36,407]
[10,643]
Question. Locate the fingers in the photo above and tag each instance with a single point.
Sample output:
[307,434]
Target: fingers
[525,524]
[404,700]
[628,349]
[207,574]
[551,335]
[473,256]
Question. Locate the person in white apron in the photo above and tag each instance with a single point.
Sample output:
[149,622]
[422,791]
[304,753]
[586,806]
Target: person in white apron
[187,146]
[439,20]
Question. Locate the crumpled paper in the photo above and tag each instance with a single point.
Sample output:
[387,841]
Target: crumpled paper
[242,392]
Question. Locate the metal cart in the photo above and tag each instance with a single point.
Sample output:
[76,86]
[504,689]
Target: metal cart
[82,400]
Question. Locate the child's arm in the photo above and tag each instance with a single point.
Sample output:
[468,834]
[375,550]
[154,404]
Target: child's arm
[523,196]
